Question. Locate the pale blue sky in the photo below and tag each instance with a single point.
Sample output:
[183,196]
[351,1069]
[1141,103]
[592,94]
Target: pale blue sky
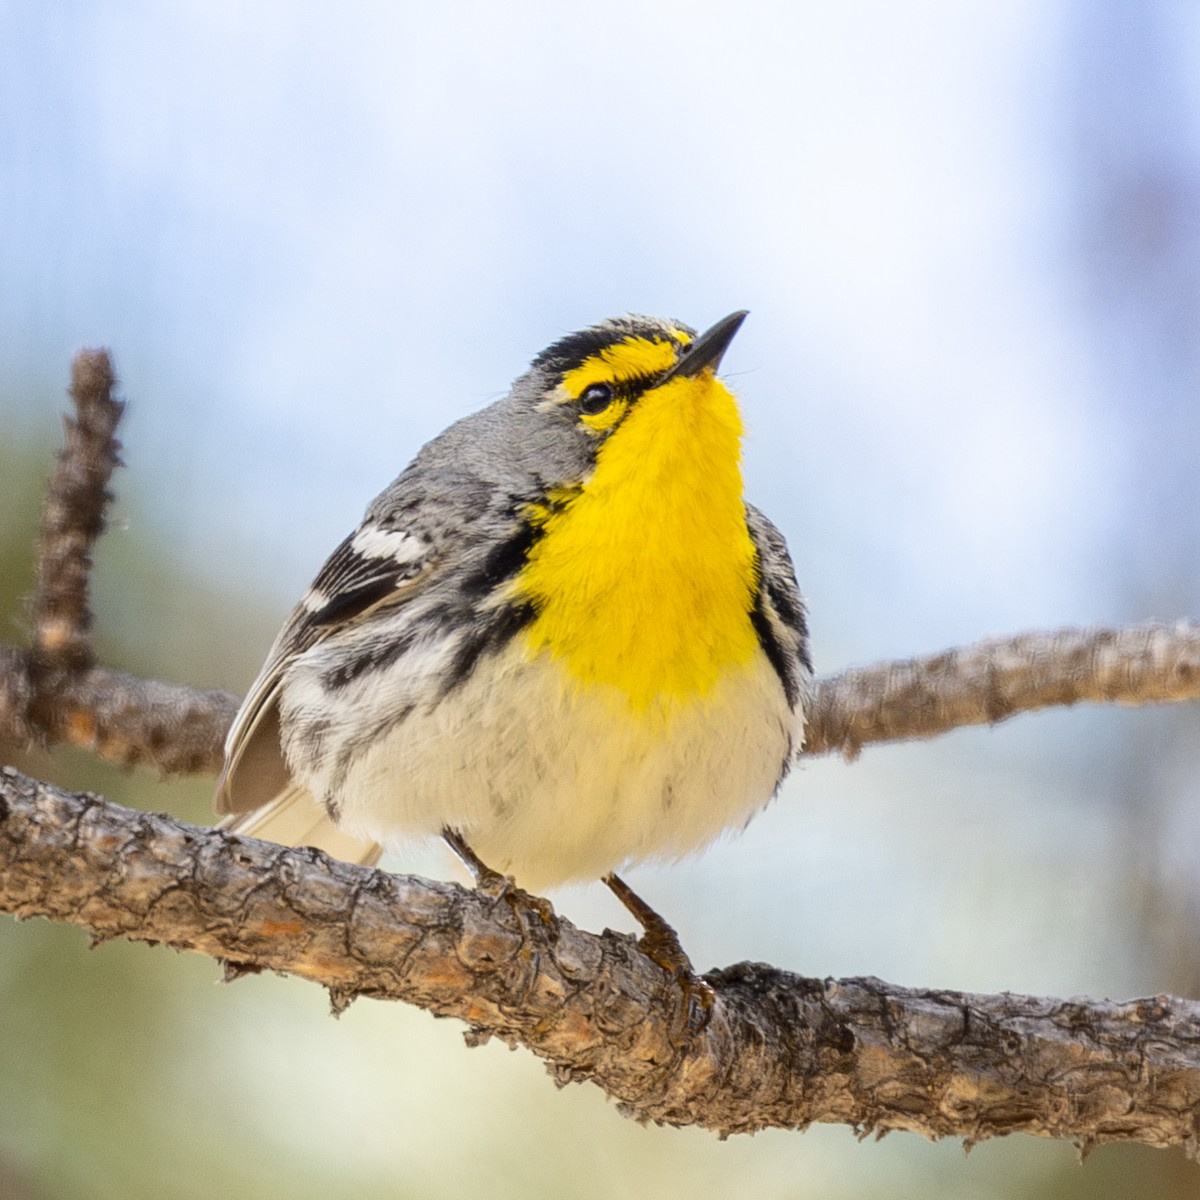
[314,234]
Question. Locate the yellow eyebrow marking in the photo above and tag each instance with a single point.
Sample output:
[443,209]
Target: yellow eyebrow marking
[634,357]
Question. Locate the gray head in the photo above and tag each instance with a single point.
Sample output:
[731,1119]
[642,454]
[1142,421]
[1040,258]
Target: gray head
[548,430]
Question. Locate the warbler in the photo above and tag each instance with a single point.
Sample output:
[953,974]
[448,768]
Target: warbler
[561,638]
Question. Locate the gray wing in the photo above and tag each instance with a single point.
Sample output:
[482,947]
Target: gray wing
[443,512]
[779,616]
[427,520]
[373,567]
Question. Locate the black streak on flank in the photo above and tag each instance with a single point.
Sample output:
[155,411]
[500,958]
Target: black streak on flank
[503,562]
[775,653]
[790,609]
[790,613]
[499,629]
[381,655]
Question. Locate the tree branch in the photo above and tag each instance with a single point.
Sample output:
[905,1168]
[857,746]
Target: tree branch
[993,680]
[778,1050]
[52,691]
[131,722]
[73,518]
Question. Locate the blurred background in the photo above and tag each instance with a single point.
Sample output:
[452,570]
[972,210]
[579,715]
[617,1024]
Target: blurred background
[969,237]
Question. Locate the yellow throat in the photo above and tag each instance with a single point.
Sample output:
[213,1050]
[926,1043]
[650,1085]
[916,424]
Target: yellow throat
[644,579]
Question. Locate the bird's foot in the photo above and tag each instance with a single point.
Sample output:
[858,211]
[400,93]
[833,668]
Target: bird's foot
[500,887]
[660,943]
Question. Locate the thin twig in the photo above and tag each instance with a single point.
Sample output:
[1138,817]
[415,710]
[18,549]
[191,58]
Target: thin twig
[73,518]
[176,728]
[16,693]
[990,681]
[53,692]
[128,721]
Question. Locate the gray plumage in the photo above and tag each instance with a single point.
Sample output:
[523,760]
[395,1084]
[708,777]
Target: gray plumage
[411,605]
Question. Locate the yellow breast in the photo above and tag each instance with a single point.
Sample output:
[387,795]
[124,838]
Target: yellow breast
[645,579]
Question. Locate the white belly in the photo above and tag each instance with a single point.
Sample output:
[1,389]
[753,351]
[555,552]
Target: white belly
[551,784]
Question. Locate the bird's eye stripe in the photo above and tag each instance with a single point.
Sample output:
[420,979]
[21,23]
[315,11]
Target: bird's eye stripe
[630,389]
[625,392]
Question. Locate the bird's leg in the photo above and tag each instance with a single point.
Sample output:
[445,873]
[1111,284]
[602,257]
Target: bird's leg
[486,880]
[660,943]
[492,883]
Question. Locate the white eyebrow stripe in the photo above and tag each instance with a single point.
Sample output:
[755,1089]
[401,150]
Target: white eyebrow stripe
[397,544]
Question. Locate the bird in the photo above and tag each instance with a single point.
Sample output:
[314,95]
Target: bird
[561,639]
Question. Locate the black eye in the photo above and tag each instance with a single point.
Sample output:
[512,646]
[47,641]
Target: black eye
[595,398]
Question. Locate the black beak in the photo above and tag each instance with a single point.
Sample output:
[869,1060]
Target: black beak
[707,349]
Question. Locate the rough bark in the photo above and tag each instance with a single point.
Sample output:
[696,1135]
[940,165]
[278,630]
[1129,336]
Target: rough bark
[116,716]
[992,680]
[73,518]
[128,721]
[778,1050]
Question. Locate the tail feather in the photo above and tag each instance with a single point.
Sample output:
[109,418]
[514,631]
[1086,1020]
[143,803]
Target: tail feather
[294,818]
